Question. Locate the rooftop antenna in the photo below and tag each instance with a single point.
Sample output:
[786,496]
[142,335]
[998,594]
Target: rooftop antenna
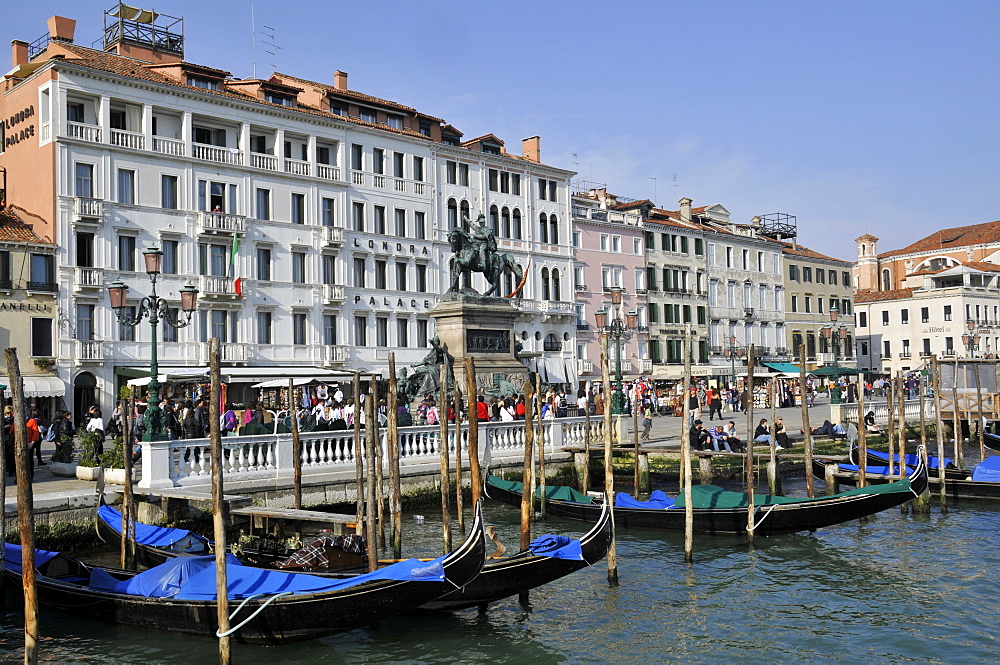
[654,189]
[274,47]
[675,185]
[253,41]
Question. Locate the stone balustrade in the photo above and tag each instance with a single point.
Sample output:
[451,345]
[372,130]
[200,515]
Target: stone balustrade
[267,459]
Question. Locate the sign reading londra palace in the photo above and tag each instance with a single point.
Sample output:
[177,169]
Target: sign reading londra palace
[487,341]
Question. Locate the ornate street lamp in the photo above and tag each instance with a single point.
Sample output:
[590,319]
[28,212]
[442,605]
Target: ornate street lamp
[619,331]
[734,352]
[971,339]
[154,308]
[835,336]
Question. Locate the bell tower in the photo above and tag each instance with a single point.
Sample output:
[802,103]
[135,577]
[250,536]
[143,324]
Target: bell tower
[866,268]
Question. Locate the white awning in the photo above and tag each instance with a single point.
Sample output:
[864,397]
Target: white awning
[571,377]
[283,383]
[193,374]
[39,386]
[555,370]
[269,373]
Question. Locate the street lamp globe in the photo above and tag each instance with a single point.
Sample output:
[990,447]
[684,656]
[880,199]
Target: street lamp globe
[154,260]
[189,299]
[117,292]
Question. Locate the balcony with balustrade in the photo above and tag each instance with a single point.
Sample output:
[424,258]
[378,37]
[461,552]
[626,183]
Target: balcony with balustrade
[125,139]
[333,293]
[87,279]
[212,286]
[334,355]
[168,146]
[645,365]
[220,222]
[333,236]
[584,366]
[88,351]
[84,132]
[88,210]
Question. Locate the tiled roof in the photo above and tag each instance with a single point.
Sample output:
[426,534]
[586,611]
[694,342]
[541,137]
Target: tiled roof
[14,229]
[805,252]
[631,204]
[983,266]
[871,295]
[130,67]
[360,96]
[189,65]
[926,271]
[948,239]
[481,138]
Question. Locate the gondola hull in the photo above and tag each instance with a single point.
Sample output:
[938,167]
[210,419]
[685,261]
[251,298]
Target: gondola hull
[807,515]
[499,578]
[502,578]
[991,440]
[955,488]
[950,471]
[285,619]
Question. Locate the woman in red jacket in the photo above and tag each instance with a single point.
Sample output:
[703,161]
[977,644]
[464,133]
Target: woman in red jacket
[482,410]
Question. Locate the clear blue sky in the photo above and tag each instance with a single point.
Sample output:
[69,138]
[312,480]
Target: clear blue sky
[853,116]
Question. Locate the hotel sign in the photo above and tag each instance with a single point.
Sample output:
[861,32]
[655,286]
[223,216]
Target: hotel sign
[13,135]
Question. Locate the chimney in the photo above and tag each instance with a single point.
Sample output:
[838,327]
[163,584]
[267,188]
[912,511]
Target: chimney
[340,80]
[685,209]
[531,149]
[61,29]
[18,53]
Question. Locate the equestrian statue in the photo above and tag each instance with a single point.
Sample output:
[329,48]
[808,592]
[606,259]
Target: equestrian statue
[476,251]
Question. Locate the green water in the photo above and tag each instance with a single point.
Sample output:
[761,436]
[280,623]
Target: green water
[899,589]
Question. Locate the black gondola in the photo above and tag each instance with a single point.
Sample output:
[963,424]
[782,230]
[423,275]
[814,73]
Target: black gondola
[774,515]
[499,578]
[65,584]
[880,459]
[991,437]
[958,483]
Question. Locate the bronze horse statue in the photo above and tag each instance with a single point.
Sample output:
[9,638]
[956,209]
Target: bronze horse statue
[466,259]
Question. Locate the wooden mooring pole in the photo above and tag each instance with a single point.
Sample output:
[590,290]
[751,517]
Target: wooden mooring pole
[686,452]
[128,503]
[806,431]
[443,445]
[527,471]
[3,520]
[375,432]
[773,480]
[392,448]
[862,436]
[890,405]
[296,446]
[901,426]
[922,504]
[359,474]
[475,472]
[979,413]
[609,469]
[751,483]
[471,416]
[939,429]
[371,479]
[218,516]
[957,419]
[635,442]
[585,480]
[25,509]
[543,495]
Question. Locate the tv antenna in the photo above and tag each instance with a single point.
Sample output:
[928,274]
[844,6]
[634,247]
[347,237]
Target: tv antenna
[272,48]
[654,189]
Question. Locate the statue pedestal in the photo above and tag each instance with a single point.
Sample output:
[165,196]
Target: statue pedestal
[483,329]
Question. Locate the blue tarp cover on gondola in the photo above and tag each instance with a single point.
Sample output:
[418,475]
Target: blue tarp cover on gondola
[876,470]
[12,554]
[180,540]
[911,459]
[657,501]
[988,471]
[557,547]
[193,578]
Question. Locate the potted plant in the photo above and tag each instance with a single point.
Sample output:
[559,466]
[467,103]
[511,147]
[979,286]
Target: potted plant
[113,462]
[89,466]
[62,460]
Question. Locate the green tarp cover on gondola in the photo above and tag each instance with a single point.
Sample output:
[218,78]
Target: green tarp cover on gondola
[557,492]
[712,496]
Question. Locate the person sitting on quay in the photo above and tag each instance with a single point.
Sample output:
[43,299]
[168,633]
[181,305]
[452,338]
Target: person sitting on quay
[762,434]
[698,436]
[870,425]
[720,439]
[734,441]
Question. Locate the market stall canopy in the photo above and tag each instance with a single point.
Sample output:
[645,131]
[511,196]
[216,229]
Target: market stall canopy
[787,370]
[41,386]
[184,374]
[283,383]
[832,370]
[255,374]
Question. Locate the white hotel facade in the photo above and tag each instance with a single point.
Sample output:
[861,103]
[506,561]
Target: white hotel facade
[340,201]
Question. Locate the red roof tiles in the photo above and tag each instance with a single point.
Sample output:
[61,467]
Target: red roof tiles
[948,239]
[871,295]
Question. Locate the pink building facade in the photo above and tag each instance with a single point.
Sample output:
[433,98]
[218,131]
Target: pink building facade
[609,251]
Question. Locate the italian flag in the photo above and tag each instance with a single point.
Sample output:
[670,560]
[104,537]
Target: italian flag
[234,266]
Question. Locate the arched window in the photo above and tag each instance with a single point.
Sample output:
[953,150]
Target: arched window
[520,294]
[555,284]
[495,220]
[85,394]
[886,281]
[505,222]
[464,209]
[552,343]
[543,228]
[545,283]
[553,230]
[452,213]
[517,224]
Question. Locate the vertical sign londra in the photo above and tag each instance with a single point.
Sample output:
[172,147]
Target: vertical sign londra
[12,134]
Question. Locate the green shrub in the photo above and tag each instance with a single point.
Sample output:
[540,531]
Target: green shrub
[89,444]
[115,457]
